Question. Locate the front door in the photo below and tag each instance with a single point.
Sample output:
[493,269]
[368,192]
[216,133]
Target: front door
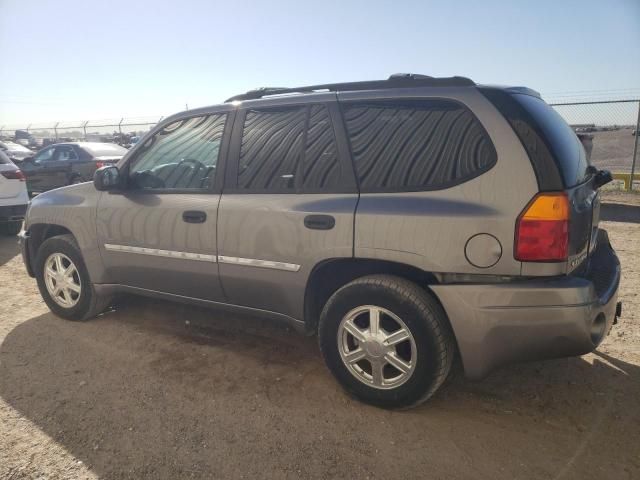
[58,168]
[288,205]
[159,233]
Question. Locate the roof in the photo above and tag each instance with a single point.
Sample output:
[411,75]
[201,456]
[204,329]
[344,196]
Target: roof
[397,80]
[98,147]
[88,144]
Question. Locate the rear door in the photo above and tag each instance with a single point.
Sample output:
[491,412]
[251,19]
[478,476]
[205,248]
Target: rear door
[288,204]
[159,233]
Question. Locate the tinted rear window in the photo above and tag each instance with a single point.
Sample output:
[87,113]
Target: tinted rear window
[321,166]
[271,145]
[410,145]
[289,149]
[560,138]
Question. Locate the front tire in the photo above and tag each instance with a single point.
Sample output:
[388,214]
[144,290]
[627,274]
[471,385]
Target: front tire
[387,341]
[63,280]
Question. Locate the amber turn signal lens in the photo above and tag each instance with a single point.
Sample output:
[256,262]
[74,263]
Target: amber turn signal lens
[542,229]
[548,206]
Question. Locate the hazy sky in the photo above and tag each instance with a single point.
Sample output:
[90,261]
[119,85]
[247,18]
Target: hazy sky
[77,59]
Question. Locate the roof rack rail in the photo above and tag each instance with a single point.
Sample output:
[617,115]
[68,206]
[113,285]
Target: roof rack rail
[397,80]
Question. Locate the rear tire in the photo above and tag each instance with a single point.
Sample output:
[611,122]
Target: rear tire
[388,374]
[63,280]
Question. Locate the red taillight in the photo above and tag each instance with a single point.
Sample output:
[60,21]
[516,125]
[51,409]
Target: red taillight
[14,175]
[542,229]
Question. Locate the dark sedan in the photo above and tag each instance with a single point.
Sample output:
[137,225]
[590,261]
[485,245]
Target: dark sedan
[68,163]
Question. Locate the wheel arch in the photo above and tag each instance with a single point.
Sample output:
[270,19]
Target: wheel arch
[40,232]
[331,274]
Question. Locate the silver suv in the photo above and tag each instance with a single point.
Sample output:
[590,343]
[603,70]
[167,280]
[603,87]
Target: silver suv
[408,222]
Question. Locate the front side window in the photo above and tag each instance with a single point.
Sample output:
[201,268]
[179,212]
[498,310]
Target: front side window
[270,149]
[45,155]
[183,155]
[416,144]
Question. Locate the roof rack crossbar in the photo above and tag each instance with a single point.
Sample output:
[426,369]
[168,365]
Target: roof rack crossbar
[397,80]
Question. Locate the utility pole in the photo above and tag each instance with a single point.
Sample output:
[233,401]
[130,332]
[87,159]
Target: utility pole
[635,150]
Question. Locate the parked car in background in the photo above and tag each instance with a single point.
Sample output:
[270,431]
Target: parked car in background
[404,221]
[13,196]
[23,137]
[16,152]
[68,163]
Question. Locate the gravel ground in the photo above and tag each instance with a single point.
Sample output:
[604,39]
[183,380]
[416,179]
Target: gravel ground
[613,150]
[156,390]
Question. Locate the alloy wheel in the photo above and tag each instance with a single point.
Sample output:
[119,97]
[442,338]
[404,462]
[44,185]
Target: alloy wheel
[62,280]
[377,347]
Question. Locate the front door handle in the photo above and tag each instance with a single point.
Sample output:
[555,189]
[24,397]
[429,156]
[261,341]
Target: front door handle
[319,222]
[194,216]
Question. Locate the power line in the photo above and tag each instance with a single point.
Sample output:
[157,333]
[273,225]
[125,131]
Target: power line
[612,91]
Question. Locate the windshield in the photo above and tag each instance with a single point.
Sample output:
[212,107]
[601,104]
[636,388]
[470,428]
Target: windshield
[104,149]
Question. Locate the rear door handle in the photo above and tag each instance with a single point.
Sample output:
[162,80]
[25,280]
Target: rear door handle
[319,222]
[194,216]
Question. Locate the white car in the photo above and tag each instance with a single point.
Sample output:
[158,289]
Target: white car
[13,196]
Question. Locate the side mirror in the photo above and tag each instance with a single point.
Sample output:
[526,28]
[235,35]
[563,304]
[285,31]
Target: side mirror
[107,178]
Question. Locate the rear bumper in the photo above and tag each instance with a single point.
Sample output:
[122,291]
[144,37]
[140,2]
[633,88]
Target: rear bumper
[499,324]
[12,213]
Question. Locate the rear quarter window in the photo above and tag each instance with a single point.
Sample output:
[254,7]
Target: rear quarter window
[557,156]
[561,139]
[414,145]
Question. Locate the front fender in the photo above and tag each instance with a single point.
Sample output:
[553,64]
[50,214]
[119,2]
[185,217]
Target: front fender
[71,208]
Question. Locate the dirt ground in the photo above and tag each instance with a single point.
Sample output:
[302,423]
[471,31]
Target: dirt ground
[156,390]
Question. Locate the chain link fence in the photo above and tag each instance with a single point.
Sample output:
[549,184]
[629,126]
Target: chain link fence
[105,130]
[613,126]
